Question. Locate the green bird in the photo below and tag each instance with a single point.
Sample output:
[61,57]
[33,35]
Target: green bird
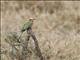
[27,25]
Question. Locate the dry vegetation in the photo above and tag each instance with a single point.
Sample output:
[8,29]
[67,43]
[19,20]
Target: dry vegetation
[57,27]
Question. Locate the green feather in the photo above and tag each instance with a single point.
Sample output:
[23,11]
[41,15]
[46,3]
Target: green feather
[26,26]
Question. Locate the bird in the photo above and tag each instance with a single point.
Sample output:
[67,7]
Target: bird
[27,25]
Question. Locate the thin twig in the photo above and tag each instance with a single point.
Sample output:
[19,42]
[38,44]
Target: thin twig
[36,44]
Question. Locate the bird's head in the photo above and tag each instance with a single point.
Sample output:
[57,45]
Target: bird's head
[32,19]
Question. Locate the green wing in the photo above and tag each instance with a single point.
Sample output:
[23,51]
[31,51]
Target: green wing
[26,26]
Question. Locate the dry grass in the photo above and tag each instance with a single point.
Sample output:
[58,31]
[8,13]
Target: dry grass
[57,26]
